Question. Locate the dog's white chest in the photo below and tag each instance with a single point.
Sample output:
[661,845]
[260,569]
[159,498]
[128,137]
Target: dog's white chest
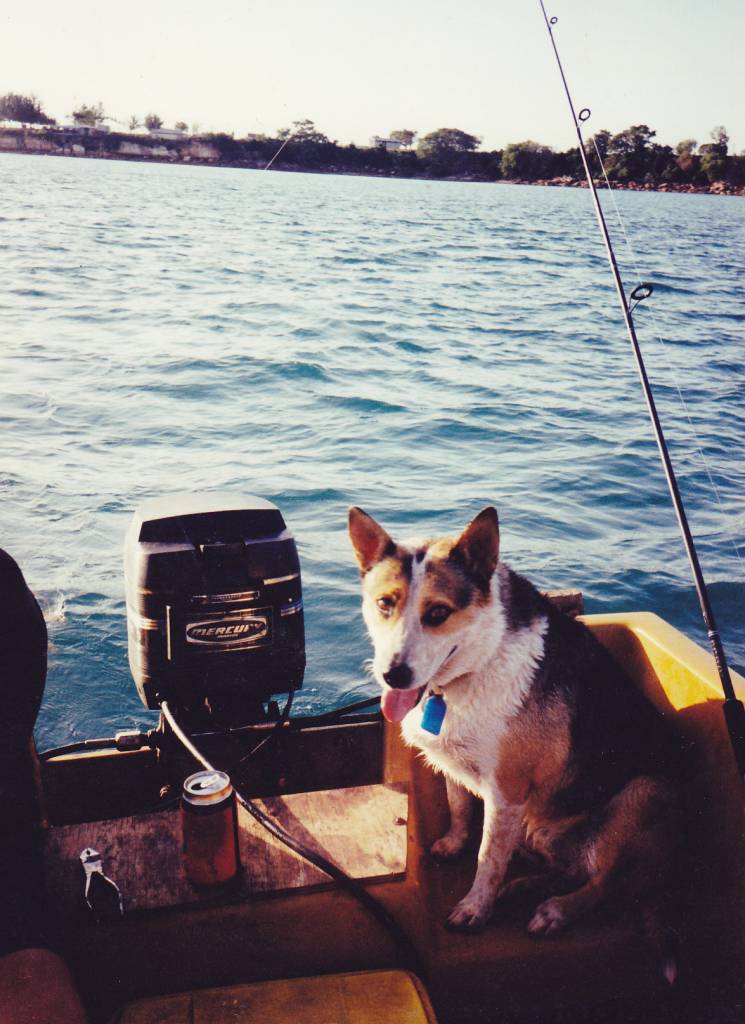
[480,708]
[465,749]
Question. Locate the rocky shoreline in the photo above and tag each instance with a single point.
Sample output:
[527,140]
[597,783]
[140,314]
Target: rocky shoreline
[716,188]
[211,151]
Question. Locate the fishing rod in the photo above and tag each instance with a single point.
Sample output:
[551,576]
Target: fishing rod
[734,712]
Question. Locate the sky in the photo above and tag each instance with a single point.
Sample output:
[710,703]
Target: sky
[361,69]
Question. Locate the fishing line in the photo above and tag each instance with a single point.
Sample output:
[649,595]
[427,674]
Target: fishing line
[288,139]
[658,336]
[734,712]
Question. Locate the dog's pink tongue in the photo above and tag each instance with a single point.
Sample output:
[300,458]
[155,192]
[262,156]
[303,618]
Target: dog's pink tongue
[396,703]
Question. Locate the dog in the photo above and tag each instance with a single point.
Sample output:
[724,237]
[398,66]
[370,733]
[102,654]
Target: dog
[570,760]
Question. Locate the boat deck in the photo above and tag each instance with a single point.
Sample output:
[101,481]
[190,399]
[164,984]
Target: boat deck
[496,975]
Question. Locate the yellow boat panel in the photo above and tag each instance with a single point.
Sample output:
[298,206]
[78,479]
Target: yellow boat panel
[660,659]
[369,997]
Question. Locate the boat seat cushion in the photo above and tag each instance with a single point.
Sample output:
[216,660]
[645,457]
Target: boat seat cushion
[369,997]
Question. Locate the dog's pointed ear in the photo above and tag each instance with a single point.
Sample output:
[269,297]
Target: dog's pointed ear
[478,547]
[369,539]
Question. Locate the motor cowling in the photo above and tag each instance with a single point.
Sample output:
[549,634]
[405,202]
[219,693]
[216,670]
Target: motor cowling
[214,601]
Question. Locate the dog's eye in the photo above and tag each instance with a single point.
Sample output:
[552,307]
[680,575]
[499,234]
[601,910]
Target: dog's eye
[436,614]
[386,604]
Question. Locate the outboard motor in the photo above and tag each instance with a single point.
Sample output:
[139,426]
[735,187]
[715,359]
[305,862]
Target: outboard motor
[214,604]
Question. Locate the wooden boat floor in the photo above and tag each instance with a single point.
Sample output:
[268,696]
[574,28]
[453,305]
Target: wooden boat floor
[361,829]
[316,929]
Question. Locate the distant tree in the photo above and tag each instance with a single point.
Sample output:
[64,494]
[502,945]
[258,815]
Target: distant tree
[713,164]
[229,148]
[89,114]
[736,169]
[26,109]
[153,122]
[661,164]
[529,160]
[720,138]
[405,136]
[600,141]
[447,141]
[133,124]
[569,163]
[484,165]
[445,152]
[685,153]
[714,155]
[303,131]
[686,148]
[628,153]
[182,126]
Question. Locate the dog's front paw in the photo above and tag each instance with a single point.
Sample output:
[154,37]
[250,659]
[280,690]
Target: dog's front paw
[449,846]
[548,918]
[470,915]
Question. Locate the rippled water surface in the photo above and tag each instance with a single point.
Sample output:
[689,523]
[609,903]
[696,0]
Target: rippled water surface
[417,348]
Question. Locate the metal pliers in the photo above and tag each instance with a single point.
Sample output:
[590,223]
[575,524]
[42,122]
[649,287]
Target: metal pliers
[102,895]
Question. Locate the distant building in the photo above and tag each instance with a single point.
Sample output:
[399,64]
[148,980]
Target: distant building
[168,134]
[389,145]
[86,129]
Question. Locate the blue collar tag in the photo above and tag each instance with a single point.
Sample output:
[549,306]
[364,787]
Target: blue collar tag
[434,713]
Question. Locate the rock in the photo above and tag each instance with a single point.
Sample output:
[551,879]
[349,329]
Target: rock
[34,144]
[201,151]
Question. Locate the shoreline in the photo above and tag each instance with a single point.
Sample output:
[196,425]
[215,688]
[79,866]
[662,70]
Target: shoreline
[206,153]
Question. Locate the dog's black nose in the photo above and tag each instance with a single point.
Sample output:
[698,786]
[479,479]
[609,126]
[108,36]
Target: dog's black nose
[398,676]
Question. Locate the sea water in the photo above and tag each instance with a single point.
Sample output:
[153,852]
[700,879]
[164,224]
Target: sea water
[418,348]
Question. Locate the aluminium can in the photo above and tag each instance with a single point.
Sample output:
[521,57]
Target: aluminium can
[210,829]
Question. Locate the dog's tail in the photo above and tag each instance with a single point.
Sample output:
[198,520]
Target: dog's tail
[662,937]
